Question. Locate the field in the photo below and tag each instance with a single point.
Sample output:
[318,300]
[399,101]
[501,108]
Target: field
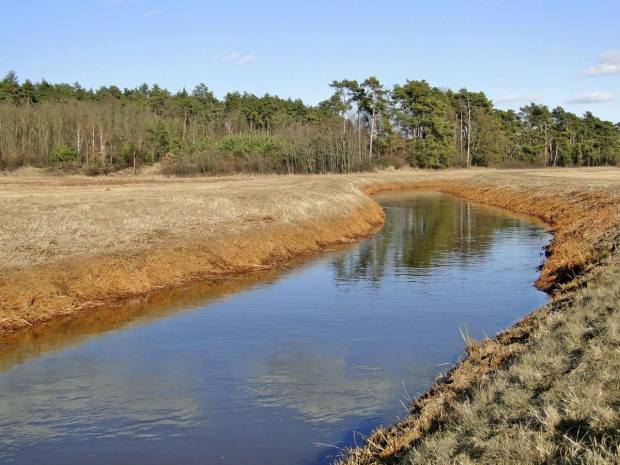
[547,389]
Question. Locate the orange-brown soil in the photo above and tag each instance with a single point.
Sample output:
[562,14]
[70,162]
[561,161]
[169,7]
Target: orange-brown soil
[71,244]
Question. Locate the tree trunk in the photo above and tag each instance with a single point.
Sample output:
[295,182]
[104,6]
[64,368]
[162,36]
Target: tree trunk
[101,146]
[359,132]
[468,132]
[79,142]
[461,133]
[93,144]
[372,128]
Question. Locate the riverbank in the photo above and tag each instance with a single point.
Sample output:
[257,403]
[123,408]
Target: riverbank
[71,244]
[75,245]
[546,390]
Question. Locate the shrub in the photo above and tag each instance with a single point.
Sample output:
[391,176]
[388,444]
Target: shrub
[63,155]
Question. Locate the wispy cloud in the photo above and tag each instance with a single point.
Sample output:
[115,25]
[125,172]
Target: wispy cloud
[245,59]
[235,58]
[608,63]
[518,98]
[153,13]
[593,97]
[232,57]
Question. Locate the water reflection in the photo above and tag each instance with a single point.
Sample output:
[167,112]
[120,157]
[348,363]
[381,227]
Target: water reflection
[320,388]
[19,347]
[261,369]
[426,230]
[95,401]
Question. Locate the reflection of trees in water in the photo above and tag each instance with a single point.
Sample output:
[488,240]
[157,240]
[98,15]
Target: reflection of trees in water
[424,231]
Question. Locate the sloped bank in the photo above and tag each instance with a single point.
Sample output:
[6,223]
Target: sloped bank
[548,388]
[59,289]
[544,391]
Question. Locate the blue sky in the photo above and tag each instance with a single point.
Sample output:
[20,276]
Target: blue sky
[553,52]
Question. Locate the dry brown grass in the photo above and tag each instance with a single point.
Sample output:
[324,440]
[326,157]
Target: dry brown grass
[70,243]
[67,247]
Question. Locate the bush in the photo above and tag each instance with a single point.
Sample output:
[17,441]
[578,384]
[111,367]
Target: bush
[148,158]
[93,170]
[63,155]
[168,163]
[516,165]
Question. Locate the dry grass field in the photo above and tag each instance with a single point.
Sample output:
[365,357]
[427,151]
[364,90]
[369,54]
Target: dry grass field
[545,390]
[47,219]
[72,243]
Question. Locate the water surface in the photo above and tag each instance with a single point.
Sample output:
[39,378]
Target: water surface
[271,368]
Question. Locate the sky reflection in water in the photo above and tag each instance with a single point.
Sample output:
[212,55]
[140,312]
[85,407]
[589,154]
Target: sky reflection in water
[261,369]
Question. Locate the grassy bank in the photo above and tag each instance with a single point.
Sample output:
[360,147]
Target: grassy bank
[69,244]
[547,389]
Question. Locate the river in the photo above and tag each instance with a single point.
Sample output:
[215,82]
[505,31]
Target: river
[283,366]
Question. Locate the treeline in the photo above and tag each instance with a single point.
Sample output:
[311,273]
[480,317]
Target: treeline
[362,125]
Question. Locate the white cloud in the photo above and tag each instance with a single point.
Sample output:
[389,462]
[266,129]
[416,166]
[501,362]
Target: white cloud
[245,59]
[593,97]
[153,13]
[518,98]
[234,57]
[608,63]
